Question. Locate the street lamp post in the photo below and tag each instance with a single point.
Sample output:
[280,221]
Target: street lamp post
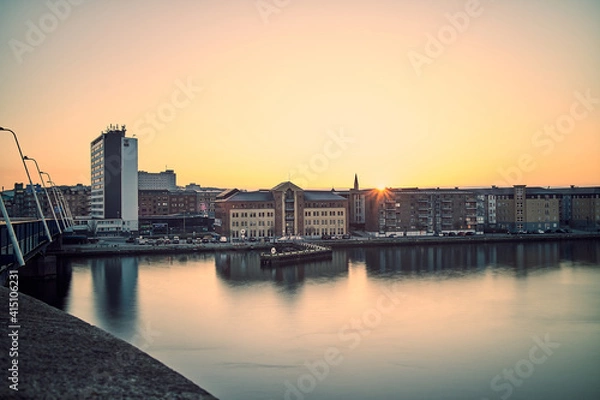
[56,199]
[45,191]
[11,233]
[67,209]
[64,209]
[37,202]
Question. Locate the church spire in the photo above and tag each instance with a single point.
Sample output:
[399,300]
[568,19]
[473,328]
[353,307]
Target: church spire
[355,182]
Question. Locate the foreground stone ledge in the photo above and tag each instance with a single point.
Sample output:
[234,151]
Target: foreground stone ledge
[63,357]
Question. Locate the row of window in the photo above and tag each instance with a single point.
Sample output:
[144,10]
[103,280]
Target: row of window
[251,223]
[323,213]
[323,231]
[260,214]
[324,222]
[256,233]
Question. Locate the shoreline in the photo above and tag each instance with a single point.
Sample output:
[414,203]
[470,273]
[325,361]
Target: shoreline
[58,355]
[122,249]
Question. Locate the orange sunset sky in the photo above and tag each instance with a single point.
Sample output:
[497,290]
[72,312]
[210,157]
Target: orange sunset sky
[247,93]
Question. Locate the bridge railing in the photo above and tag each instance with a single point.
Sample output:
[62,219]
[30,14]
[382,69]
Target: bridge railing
[31,236]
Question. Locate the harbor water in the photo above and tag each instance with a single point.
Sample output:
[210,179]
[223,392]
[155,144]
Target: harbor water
[486,321]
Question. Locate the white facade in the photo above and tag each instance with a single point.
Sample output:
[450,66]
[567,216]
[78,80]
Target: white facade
[129,184]
[97,195]
[166,180]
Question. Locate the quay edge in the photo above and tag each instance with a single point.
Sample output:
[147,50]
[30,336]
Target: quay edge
[63,357]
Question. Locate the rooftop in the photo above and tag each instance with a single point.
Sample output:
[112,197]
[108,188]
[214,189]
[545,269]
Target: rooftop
[322,195]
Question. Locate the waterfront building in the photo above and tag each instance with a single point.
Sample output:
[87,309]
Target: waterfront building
[114,178]
[414,211]
[285,210]
[191,200]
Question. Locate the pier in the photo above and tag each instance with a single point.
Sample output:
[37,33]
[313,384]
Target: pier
[295,252]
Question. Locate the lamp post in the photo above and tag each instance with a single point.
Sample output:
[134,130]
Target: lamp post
[45,191]
[64,208]
[56,199]
[67,209]
[37,202]
[11,233]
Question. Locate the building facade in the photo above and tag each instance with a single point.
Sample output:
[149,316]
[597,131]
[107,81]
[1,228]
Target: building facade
[415,211]
[114,179]
[179,201]
[285,210]
[166,180]
[78,199]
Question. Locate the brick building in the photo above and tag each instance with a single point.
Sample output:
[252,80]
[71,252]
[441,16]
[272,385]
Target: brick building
[284,210]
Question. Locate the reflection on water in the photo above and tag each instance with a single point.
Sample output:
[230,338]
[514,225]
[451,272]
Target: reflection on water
[427,322]
[245,267]
[114,283]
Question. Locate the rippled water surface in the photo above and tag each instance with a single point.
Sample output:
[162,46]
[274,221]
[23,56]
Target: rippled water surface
[495,321]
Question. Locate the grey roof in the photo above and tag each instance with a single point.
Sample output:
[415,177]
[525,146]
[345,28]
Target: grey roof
[322,195]
[260,195]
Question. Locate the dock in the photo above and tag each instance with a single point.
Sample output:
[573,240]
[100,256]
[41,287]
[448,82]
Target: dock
[295,252]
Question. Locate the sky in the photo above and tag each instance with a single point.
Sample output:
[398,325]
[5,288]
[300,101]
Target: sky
[247,93]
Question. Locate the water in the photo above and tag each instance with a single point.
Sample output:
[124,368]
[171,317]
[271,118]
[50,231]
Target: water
[495,321]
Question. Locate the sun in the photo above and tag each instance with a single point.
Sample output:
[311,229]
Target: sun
[381,187]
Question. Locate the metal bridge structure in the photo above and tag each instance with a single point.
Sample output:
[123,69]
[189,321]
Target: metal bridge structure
[23,239]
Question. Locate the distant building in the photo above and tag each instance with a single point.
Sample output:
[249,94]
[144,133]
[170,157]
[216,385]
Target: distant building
[78,199]
[114,189]
[166,180]
[284,210]
[420,211]
[200,201]
[153,202]
[20,202]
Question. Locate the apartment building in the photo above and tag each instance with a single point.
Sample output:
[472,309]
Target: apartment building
[420,211]
[284,210]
